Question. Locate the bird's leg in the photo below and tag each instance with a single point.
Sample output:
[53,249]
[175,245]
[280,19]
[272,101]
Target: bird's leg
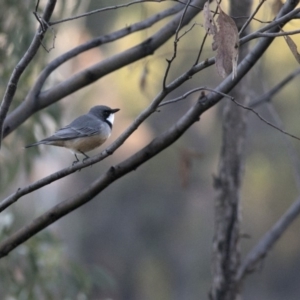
[86,156]
[75,161]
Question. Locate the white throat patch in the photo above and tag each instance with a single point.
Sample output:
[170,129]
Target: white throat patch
[111,118]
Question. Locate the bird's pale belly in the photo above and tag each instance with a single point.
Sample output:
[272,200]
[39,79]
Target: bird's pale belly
[84,144]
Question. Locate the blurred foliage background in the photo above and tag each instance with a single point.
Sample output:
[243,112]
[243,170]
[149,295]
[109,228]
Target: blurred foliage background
[149,235]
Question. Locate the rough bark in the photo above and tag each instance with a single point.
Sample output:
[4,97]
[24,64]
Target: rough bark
[226,246]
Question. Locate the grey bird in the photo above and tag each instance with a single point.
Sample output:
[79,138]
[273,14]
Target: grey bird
[85,133]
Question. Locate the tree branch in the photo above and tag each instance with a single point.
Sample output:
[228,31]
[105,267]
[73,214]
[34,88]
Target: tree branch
[113,147]
[176,40]
[280,20]
[35,100]
[251,17]
[266,97]
[267,242]
[265,121]
[114,173]
[22,65]
[157,145]
[113,8]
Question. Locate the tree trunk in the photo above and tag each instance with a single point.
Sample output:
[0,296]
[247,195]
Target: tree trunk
[226,246]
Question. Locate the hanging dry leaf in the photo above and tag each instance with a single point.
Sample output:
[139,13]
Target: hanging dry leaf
[293,47]
[209,22]
[226,42]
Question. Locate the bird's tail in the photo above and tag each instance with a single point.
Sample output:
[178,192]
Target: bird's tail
[34,144]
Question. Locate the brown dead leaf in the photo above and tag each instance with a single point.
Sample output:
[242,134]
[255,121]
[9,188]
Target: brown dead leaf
[226,42]
[209,22]
[293,47]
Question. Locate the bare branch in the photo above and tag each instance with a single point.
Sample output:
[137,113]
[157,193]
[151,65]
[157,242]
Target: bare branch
[176,40]
[37,100]
[115,7]
[205,37]
[264,120]
[191,92]
[112,148]
[267,242]
[251,17]
[272,92]
[280,20]
[157,145]
[132,163]
[22,65]
[285,33]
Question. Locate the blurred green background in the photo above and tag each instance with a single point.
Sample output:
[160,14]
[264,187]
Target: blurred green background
[149,235]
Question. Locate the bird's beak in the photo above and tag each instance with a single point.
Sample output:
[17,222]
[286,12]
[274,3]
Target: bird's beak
[113,111]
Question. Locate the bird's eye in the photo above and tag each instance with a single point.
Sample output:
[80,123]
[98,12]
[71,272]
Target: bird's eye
[106,114]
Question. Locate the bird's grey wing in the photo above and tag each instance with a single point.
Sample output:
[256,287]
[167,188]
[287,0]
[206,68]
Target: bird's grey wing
[83,126]
[80,127]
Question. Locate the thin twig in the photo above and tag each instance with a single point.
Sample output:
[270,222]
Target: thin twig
[176,40]
[113,8]
[264,120]
[188,30]
[184,96]
[251,17]
[204,39]
[44,25]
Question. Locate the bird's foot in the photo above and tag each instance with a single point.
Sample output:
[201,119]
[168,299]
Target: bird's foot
[75,161]
[86,156]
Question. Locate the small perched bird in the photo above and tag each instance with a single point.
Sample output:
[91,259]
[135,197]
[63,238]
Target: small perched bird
[85,133]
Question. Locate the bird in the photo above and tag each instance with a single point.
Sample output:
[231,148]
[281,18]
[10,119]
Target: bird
[85,133]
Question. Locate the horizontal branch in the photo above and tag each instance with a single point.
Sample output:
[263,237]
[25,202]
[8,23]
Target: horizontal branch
[114,7]
[264,34]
